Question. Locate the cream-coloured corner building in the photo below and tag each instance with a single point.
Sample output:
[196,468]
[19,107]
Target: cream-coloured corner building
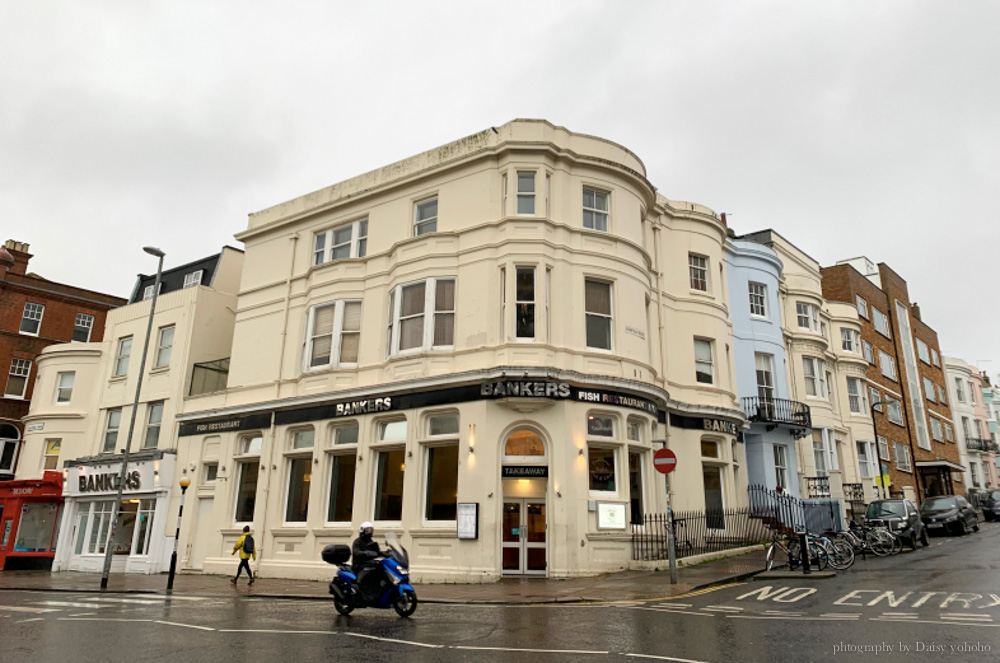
[478,348]
[79,417]
[826,372]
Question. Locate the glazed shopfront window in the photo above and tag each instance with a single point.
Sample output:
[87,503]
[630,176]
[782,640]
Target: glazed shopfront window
[601,463]
[36,531]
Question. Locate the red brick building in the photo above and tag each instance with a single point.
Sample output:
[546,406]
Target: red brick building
[35,313]
[914,423]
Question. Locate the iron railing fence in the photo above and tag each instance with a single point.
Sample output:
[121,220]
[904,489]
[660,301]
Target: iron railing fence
[818,486]
[778,511]
[697,533]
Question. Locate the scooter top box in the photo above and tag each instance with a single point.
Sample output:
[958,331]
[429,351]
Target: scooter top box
[336,554]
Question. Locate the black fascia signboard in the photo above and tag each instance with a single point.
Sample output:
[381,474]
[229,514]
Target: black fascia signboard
[525,471]
[392,402]
[223,425]
[709,424]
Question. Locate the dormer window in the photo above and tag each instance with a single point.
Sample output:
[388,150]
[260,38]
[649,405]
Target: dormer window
[148,292]
[193,278]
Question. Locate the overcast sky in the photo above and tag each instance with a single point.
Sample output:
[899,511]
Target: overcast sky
[851,127]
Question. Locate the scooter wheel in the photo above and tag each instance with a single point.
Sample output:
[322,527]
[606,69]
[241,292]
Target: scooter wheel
[343,607]
[404,604]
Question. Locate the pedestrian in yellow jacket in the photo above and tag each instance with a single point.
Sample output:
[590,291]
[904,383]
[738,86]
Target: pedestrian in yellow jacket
[247,549]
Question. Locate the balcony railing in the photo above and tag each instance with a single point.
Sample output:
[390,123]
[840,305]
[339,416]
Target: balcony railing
[776,411]
[818,486]
[979,444]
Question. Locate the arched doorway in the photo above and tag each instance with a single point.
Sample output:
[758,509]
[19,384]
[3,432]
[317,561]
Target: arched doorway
[524,472]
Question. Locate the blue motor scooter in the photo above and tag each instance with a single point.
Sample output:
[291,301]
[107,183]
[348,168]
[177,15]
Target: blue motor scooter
[385,586]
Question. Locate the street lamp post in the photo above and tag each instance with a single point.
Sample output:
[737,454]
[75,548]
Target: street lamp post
[131,427]
[184,482]
[878,451]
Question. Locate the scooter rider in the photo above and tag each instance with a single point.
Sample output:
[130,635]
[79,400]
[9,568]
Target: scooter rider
[365,550]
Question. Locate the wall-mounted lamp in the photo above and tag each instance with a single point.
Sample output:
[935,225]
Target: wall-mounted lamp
[580,453]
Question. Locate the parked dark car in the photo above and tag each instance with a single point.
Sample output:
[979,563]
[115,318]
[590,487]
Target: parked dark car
[991,506]
[949,513]
[902,519]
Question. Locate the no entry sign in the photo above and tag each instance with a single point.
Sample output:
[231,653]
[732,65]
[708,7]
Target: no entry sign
[664,461]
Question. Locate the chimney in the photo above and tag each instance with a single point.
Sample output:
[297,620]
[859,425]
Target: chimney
[19,252]
[915,309]
[723,215]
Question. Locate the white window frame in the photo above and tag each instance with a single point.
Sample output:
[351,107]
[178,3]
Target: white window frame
[164,346]
[887,365]
[942,395]
[758,299]
[857,396]
[949,432]
[862,306]
[533,302]
[818,377]
[84,321]
[147,292]
[701,362]
[936,359]
[615,447]
[19,368]
[426,225]
[191,279]
[245,456]
[151,409]
[698,272]
[336,336]
[809,313]
[930,389]
[47,453]
[780,470]
[596,212]
[868,352]
[894,412]
[936,432]
[427,443]
[972,393]
[526,195]
[64,392]
[881,322]
[866,464]
[883,452]
[32,315]
[118,370]
[428,313]
[923,352]
[902,454]
[610,316]
[850,340]
[108,429]
[292,454]
[875,396]
[960,390]
[357,244]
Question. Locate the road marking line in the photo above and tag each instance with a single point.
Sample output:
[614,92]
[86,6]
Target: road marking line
[841,614]
[899,614]
[31,619]
[203,628]
[927,621]
[109,599]
[674,605]
[277,630]
[723,607]
[675,612]
[976,615]
[666,658]
[530,651]
[784,612]
[82,614]
[69,604]
[699,592]
[18,608]
[400,642]
[100,619]
[790,618]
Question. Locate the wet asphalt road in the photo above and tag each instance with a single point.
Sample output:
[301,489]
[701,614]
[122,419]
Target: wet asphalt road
[942,602]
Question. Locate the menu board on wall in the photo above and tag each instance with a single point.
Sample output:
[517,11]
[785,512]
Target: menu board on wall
[611,515]
[468,520]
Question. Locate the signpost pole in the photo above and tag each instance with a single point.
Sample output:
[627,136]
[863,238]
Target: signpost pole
[671,551]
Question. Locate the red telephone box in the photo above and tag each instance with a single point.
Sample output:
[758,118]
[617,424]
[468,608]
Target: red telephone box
[29,521]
